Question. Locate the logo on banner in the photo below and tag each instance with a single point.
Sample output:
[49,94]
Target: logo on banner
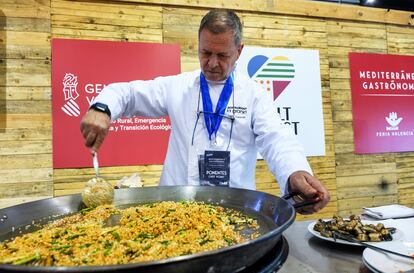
[273,74]
[393,130]
[393,120]
[70,84]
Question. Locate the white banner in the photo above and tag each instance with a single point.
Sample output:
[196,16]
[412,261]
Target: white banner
[292,76]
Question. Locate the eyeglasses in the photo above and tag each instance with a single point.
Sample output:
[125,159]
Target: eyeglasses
[199,112]
[230,117]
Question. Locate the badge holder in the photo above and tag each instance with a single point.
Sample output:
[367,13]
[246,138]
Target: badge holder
[214,168]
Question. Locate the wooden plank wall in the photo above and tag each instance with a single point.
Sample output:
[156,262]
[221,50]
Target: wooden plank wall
[362,180]
[25,102]
[113,22]
[353,180]
[400,40]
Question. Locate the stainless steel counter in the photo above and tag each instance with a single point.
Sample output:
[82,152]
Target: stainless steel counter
[309,254]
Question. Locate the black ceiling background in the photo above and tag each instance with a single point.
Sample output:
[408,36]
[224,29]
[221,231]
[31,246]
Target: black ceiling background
[391,4]
[407,5]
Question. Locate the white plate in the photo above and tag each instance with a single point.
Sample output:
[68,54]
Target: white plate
[396,236]
[389,263]
[369,266]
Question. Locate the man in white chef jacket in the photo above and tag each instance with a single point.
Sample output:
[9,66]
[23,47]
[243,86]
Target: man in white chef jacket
[220,119]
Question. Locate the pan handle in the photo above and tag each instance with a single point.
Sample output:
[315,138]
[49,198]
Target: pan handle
[301,204]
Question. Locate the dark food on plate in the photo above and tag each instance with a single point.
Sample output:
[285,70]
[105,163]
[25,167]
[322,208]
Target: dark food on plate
[144,233]
[353,227]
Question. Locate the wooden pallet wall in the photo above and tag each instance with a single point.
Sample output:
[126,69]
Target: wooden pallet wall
[25,102]
[400,40]
[112,22]
[362,180]
[354,181]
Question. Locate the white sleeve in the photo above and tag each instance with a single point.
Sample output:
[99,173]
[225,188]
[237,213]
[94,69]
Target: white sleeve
[276,142]
[136,98]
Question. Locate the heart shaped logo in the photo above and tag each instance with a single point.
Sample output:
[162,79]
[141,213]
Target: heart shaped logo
[273,74]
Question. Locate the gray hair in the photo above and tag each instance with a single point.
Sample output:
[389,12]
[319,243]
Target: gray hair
[222,20]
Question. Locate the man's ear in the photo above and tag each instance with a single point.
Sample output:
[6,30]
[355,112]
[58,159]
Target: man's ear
[240,49]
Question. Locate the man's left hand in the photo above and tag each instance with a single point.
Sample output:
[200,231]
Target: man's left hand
[309,188]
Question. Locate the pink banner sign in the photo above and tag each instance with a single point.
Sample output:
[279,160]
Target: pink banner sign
[80,71]
[382,89]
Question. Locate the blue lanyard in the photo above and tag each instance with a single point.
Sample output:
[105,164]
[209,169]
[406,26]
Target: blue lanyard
[213,119]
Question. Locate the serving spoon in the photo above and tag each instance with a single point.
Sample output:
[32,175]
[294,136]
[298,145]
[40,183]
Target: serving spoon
[95,163]
[97,190]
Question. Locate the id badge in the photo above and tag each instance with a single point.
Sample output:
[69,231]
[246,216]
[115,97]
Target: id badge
[214,168]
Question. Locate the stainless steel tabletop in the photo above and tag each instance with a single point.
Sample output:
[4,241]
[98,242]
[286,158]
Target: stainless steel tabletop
[309,254]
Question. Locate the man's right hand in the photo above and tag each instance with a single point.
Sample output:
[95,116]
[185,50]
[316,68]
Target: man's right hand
[94,128]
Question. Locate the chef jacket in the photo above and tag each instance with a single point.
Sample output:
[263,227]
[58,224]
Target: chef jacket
[256,127]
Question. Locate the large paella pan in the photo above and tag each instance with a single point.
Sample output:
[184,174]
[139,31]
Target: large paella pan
[273,214]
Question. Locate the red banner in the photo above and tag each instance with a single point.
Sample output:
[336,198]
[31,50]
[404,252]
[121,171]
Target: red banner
[80,70]
[382,102]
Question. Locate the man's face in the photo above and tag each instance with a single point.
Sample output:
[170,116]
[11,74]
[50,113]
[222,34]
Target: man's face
[217,54]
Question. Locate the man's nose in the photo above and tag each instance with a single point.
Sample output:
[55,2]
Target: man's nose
[213,61]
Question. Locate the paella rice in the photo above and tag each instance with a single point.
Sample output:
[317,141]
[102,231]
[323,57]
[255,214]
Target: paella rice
[144,233]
